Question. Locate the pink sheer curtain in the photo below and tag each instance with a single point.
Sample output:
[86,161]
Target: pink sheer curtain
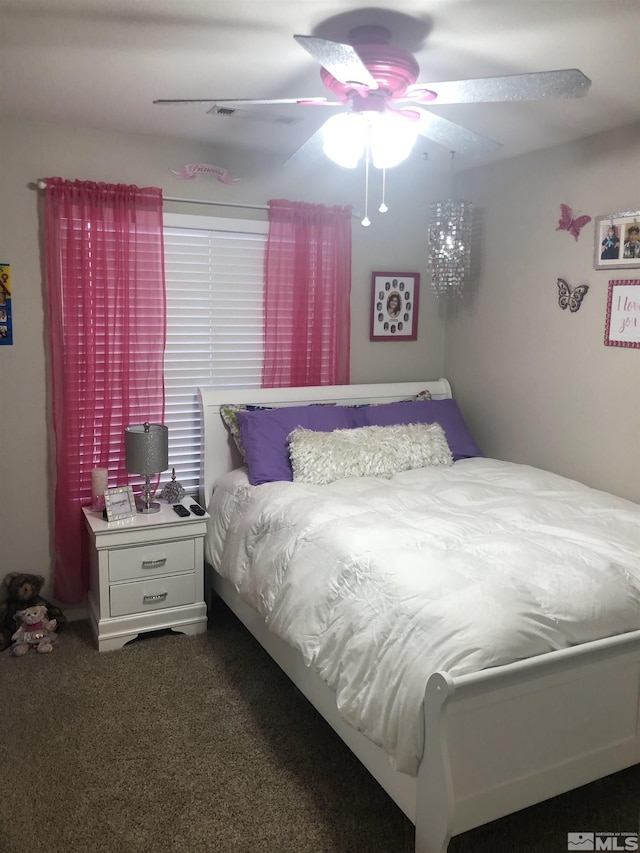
[307,293]
[105,281]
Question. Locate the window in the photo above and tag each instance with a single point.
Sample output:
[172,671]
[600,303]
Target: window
[214,270]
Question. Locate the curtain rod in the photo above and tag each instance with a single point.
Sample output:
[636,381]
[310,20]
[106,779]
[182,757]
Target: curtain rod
[216,203]
[229,204]
[42,185]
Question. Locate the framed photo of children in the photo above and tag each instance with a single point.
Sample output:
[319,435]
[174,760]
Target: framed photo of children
[394,306]
[617,241]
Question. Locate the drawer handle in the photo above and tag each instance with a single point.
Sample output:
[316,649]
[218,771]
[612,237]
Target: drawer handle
[150,599]
[154,564]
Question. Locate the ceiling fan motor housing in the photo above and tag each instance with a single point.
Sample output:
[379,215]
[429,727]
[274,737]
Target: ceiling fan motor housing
[393,68]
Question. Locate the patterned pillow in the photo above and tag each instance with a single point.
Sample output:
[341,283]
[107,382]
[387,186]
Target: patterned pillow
[371,451]
[421,395]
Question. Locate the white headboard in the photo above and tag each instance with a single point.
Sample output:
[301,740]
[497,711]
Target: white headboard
[219,453]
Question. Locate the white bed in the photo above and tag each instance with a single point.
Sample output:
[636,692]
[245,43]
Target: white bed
[496,740]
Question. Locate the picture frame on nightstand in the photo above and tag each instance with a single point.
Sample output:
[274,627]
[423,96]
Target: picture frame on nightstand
[119,503]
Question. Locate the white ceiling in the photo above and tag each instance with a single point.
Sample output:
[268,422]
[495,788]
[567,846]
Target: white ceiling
[101,63]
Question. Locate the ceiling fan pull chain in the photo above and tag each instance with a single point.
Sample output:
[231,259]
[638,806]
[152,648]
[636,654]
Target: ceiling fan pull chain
[453,176]
[383,207]
[366,221]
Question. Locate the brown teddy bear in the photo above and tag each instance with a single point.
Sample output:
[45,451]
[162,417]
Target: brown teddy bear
[23,591]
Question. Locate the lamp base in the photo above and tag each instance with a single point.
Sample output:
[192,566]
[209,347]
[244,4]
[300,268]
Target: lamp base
[143,502]
[147,506]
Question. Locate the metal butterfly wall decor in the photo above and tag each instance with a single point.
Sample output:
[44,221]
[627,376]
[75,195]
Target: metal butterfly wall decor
[568,222]
[571,299]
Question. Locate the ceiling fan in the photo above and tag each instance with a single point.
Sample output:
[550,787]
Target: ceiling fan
[377,82]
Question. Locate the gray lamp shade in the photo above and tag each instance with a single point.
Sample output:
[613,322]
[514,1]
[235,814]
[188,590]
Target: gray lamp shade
[146,448]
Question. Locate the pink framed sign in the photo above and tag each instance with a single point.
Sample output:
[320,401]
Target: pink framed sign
[394,306]
[622,327]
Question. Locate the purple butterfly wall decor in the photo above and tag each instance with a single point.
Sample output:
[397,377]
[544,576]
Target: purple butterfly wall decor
[568,222]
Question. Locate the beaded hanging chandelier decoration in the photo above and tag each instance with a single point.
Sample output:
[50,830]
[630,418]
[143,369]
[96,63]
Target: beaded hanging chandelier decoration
[449,242]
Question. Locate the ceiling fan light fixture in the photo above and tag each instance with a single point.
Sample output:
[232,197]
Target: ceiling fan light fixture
[344,137]
[390,137]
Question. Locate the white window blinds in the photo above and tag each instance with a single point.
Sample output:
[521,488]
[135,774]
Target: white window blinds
[214,270]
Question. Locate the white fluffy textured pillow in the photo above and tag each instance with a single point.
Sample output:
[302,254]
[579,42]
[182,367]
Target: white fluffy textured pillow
[371,451]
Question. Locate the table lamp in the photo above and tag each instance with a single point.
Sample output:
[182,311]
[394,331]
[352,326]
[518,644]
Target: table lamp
[146,448]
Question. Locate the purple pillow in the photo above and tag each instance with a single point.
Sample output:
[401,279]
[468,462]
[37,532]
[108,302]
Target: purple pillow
[444,412]
[264,436]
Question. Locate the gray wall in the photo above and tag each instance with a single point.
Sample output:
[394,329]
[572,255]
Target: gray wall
[538,383]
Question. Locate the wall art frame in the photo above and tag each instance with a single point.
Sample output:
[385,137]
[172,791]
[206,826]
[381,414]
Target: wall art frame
[120,503]
[395,297]
[6,322]
[617,241]
[622,325]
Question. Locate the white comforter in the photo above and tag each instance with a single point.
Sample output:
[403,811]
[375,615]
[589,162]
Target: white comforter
[379,583]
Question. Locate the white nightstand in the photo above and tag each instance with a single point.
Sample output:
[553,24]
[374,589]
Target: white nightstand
[146,574]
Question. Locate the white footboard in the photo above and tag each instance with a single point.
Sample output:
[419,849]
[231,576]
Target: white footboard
[506,738]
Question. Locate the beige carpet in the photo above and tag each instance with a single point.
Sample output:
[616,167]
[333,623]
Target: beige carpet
[182,744]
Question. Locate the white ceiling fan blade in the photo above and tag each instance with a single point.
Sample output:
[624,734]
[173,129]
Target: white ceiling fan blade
[453,136]
[340,60]
[310,151]
[307,102]
[566,83]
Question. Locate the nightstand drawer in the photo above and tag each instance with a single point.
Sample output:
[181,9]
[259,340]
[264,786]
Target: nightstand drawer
[164,558]
[138,597]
